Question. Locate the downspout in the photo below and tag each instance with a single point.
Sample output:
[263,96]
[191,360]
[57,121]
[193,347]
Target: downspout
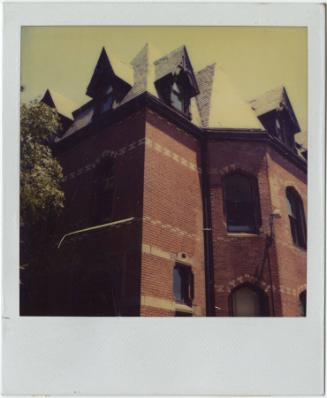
[207,231]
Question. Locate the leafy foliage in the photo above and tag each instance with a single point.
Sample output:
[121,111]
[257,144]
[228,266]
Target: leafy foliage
[41,174]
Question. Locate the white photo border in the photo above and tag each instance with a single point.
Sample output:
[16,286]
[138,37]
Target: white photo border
[163,356]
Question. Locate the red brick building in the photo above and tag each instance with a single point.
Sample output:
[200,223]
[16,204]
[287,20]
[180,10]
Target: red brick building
[181,198]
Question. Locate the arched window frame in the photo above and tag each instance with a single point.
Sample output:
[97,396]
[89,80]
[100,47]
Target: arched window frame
[104,190]
[296,217]
[262,297]
[249,209]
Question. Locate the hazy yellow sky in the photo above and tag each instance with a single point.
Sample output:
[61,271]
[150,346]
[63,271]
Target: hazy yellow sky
[256,59]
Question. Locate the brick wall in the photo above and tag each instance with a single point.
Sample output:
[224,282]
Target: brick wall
[158,181]
[173,220]
[125,142]
[292,260]
[241,257]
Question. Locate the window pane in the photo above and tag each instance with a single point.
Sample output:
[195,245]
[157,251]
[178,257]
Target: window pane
[296,218]
[240,216]
[177,284]
[107,104]
[240,195]
[176,98]
[303,303]
[183,284]
[238,188]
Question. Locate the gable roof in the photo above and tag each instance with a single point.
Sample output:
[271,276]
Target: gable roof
[220,104]
[106,71]
[64,106]
[275,99]
[172,64]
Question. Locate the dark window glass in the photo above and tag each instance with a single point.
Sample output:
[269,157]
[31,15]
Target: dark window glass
[296,217]
[248,301]
[278,129]
[241,203]
[183,284]
[283,131]
[107,103]
[180,313]
[303,303]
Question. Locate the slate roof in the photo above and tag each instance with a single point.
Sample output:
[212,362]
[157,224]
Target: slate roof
[144,73]
[220,104]
[171,63]
[63,105]
[275,99]
[82,119]
[217,103]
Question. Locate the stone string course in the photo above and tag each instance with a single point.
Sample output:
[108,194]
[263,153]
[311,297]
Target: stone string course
[130,147]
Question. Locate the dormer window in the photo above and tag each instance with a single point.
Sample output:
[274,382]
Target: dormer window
[176,98]
[275,112]
[107,101]
[175,81]
[278,128]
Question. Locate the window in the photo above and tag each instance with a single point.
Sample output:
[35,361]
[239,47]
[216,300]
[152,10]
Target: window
[107,103]
[303,303]
[176,98]
[241,201]
[247,300]
[278,128]
[283,130]
[183,284]
[103,102]
[296,217]
[179,98]
[104,191]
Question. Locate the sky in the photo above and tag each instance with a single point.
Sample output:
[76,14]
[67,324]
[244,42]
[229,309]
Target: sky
[256,59]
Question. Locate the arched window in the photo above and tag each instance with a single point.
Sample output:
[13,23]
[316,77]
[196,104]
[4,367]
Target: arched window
[241,203]
[303,303]
[296,217]
[104,191]
[247,300]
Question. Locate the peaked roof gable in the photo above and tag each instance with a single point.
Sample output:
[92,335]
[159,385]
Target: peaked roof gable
[276,99]
[173,63]
[61,104]
[220,105]
[106,72]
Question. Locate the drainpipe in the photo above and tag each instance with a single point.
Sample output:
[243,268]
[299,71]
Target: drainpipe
[270,240]
[96,227]
[207,232]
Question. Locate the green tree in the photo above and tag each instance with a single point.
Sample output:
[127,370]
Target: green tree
[41,175]
[41,202]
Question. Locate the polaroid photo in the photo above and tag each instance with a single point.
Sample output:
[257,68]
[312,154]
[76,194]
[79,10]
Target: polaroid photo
[163,160]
